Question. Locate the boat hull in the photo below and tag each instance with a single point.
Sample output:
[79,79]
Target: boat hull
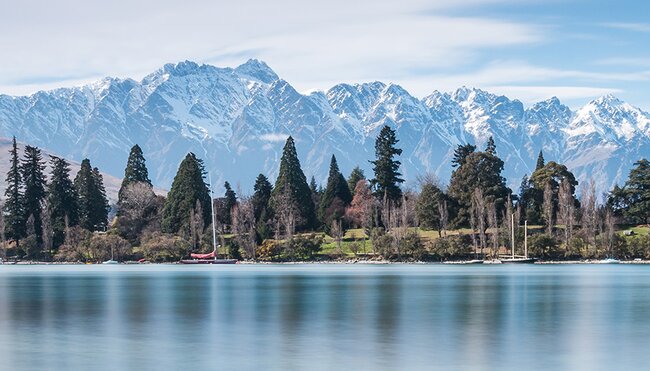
[208,261]
[519,261]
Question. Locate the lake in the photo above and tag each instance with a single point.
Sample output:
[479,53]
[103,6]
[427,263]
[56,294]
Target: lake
[325,317]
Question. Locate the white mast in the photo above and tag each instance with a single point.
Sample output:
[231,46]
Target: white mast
[512,225]
[526,238]
[214,231]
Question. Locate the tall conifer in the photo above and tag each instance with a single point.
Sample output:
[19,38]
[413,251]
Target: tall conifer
[136,169]
[14,213]
[336,196]
[386,168]
[62,200]
[32,173]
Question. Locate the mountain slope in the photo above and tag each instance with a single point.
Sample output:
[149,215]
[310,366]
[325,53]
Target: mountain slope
[237,121]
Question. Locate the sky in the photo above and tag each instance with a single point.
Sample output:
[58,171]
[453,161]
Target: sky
[526,49]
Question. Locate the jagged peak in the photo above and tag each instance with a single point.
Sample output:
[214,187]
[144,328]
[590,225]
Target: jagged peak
[258,70]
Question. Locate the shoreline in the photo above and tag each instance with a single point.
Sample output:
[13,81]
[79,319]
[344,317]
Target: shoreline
[344,262]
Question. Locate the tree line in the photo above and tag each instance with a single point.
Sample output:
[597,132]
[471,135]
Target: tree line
[290,219]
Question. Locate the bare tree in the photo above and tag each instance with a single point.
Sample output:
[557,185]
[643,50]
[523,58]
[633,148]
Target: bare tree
[494,227]
[138,210]
[243,225]
[567,210]
[3,245]
[589,214]
[337,232]
[481,216]
[444,216]
[610,223]
[47,229]
[547,207]
[287,214]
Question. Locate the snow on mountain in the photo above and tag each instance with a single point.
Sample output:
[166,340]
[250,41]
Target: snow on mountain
[238,119]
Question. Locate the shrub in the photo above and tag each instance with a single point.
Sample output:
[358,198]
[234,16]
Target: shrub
[544,246]
[269,250]
[303,247]
[98,248]
[160,247]
[452,247]
[412,246]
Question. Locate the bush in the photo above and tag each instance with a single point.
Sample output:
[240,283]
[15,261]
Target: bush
[100,245]
[382,243]
[412,246]
[303,247]
[452,247]
[74,246]
[233,250]
[269,250]
[160,247]
[544,246]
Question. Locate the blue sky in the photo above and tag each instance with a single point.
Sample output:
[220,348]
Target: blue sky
[526,49]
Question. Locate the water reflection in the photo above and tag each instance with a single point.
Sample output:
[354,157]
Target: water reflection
[314,317]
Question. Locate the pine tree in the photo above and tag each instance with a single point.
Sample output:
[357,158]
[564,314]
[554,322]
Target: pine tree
[32,173]
[230,200]
[136,169]
[336,197]
[261,196]
[460,154]
[491,148]
[355,176]
[62,200]
[100,202]
[188,186]
[540,161]
[14,213]
[387,177]
[291,188]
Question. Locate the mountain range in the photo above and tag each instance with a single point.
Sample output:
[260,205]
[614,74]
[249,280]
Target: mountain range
[237,120]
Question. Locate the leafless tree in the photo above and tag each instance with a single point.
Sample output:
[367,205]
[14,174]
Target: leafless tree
[243,225]
[138,210]
[567,210]
[494,227]
[547,207]
[47,229]
[481,215]
[287,214]
[589,212]
[610,223]
[3,241]
[444,216]
[337,232]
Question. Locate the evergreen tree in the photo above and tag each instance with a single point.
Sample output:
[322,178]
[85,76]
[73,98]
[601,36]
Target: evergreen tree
[14,213]
[32,173]
[491,148]
[136,170]
[91,198]
[480,170]
[261,196]
[427,207]
[62,200]
[230,200]
[100,202]
[553,174]
[188,186]
[336,197]
[633,200]
[291,187]
[540,161]
[387,177]
[460,154]
[355,176]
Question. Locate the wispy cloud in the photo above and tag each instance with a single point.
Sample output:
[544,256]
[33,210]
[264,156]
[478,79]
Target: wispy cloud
[637,27]
[274,137]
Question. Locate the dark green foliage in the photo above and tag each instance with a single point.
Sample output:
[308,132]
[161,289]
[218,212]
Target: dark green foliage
[291,188]
[479,170]
[136,169]
[452,247]
[303,247]
[336,197]
[491,148]
[553,174]
[34,179]
[355,176]
[427,206]
[62,200]
[91,198]
[387,175]
[261,196]
[633,200]
[229,201]
[544,246]
[14,212]
[460,154]
[540,161]
[412,246]
[188,186]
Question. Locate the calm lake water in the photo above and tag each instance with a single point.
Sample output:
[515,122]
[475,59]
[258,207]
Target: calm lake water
[325,317]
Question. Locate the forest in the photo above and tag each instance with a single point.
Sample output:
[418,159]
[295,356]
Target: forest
[54,217]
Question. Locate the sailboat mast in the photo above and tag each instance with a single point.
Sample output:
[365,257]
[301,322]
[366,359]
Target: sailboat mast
[214,230]
[512,240]
[526,238]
